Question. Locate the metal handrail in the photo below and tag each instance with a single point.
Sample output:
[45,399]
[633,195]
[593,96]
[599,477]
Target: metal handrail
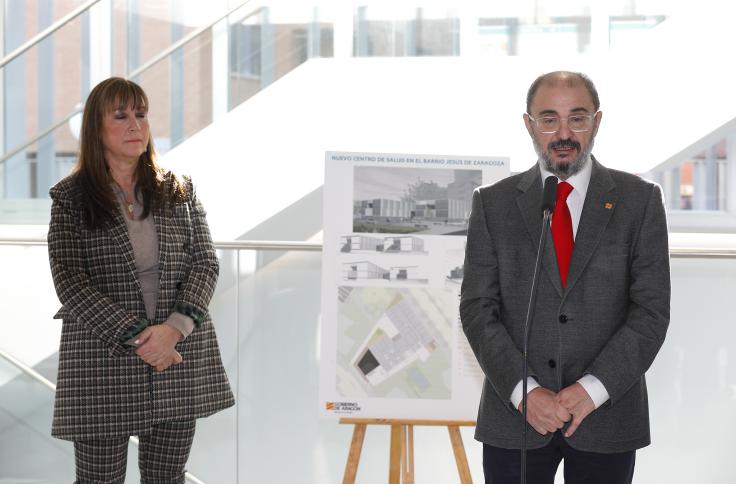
[676,252]
[49,130]
[702,253]
[27,370]
[268,245]
[48,31]
[230,244]
[179,43]
[48,384]
[24,241]
[162,55]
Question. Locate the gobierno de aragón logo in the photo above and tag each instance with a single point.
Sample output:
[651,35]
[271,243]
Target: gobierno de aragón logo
[342,407]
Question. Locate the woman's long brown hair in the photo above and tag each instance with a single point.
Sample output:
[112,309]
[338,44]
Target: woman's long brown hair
[91,171]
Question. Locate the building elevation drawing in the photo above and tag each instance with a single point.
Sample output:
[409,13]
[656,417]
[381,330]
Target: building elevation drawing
[399,244]
[366,270]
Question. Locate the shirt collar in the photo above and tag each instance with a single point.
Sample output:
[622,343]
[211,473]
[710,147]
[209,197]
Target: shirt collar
[579,180]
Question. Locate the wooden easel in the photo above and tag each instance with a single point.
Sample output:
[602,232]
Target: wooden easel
[401,462]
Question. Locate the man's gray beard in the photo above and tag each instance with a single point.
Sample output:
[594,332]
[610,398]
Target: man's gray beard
[567,170]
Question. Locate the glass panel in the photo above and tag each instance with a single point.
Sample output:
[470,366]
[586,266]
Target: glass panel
[701,179]
[268,42]
[279,368]
[214,452]
[406,31]
[686,185]
[51,10]
[29,303]
[28,453]
[627,31]
[179,88]
[694,375]
[246,35]
[147,28]
[707,193]
[567,32]
[38,168]
[27,450]
[41,87]
[30,334]
[279,308]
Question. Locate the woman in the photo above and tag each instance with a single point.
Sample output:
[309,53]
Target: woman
[134,268]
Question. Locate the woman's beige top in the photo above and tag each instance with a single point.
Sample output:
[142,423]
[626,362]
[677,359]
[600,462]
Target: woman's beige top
[144,241]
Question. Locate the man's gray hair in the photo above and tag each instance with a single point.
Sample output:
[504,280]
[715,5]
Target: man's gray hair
[569,78]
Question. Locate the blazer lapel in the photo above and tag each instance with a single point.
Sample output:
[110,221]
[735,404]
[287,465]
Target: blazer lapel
[600,202]
[160,221]
[118,230]
[162,233]
[530,205]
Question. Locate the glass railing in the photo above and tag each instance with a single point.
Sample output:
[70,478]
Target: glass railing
[47,76]
[267,313]
[41,88]
[27,452]
[228,50]
[692,383]
[196,62]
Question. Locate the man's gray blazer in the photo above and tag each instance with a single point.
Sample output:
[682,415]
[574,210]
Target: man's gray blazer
[609,321]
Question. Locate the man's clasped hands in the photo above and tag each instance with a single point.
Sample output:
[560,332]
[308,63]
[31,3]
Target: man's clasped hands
[548,411]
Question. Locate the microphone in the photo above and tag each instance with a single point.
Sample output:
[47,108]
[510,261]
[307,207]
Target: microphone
[549,196]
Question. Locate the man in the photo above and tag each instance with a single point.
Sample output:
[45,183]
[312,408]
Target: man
[603,300]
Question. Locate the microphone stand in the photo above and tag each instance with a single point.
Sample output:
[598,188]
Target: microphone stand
[546,219]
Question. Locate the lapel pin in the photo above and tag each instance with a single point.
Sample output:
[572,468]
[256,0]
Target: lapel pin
[608,205]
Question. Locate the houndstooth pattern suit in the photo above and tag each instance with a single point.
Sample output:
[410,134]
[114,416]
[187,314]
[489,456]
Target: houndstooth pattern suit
[105,390]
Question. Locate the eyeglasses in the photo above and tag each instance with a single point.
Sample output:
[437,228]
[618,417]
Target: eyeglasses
[577,123]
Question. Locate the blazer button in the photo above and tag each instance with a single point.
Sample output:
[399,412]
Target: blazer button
[552,363]
[178,285]
[563,318]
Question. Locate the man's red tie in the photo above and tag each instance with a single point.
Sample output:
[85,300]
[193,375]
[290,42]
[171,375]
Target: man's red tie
[562,230]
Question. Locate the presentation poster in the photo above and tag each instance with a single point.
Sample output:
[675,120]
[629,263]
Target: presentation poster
[394,242]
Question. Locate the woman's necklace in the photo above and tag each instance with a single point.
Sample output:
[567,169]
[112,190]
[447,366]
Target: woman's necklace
[129,204]
[128,197]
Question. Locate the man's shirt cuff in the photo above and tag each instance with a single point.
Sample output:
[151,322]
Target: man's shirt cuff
[595,389]
[516,395]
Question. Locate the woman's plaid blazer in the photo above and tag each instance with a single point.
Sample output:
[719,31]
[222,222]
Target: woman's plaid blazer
[103,388]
